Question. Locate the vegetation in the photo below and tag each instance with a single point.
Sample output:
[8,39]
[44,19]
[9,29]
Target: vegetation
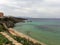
[24,41]
[11,21]
[4,40]
[1,28]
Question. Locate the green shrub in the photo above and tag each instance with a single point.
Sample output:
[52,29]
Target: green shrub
[4,40]
[24,41]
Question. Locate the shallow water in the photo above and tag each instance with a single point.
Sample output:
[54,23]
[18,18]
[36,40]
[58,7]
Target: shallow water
[46,31]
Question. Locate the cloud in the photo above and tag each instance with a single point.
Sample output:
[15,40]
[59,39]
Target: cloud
[31,8]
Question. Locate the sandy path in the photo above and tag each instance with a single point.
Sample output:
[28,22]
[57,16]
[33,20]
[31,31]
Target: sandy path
[14,32]
[10,38]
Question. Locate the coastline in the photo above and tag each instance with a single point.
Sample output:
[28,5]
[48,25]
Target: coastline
[14,32]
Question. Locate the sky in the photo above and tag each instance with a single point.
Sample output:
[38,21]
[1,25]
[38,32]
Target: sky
[31,8]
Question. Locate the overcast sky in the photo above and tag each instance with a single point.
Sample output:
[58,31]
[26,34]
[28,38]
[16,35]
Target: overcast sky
[31,8]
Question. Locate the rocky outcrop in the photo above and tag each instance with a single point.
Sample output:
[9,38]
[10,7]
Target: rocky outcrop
[10,21]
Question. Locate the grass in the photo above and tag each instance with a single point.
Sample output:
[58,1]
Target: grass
[4,40]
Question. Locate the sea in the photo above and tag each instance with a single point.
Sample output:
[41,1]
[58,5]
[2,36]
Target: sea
[46,30]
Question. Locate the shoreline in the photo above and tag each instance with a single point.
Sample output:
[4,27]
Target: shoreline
[14,32]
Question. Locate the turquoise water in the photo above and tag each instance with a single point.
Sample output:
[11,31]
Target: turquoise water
[46,31]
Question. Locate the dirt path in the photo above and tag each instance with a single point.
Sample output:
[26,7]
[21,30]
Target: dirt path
[14,32]
[10,38]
